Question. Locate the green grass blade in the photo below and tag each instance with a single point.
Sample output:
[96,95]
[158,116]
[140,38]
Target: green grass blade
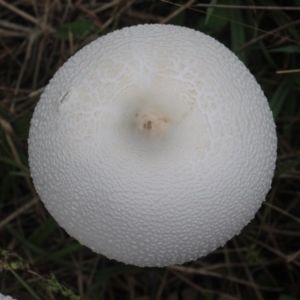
[25,285]
[42,233]
[237,31]
[279,97]
[210,11]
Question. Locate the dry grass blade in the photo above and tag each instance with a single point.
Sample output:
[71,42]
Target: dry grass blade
[283,212]
[19,12]
[288,71]
[7,33]
[17,212]
[252,7]
[223,276]
[177,12]
[14,26]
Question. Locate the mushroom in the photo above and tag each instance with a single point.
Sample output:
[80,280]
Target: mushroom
[153,145]
[3,297]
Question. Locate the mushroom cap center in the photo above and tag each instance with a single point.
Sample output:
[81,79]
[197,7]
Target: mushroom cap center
[152,122]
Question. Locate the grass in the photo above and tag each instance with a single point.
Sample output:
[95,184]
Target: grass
[39,260]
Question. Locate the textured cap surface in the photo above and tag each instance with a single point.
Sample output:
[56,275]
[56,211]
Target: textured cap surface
[153,145]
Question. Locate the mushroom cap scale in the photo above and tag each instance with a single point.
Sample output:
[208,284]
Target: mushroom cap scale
[153,145]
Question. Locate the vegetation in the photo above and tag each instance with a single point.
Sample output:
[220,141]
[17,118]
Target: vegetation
[39,260]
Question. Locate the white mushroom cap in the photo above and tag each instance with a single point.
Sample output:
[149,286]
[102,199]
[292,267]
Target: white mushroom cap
[153,145]
[3,297]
